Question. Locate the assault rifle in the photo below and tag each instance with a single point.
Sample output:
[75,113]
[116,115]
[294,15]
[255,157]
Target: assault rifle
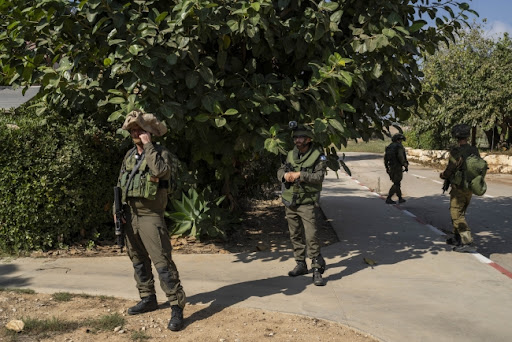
[118,208]
[446,185]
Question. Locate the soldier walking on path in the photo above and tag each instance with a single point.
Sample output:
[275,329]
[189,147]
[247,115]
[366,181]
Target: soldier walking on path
[301,176]
[395,161]
[460,195]
[145,178]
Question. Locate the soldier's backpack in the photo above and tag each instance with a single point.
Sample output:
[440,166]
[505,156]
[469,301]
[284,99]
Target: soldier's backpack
[390,155]
[475,169]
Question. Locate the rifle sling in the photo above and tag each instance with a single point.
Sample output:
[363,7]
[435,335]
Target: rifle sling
[134,171]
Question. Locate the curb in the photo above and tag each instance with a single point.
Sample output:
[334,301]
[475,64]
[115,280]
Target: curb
[478,256]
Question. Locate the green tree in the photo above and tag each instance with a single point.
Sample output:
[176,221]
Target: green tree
[227,76]
[471,81]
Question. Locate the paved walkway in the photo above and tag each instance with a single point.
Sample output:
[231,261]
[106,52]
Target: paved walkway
[418,291]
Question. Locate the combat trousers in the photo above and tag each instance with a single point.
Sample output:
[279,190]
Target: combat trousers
[147,239]
[459,202]
[395,176]
[303,232]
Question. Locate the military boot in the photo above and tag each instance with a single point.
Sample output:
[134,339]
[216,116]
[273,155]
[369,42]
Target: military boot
[176,322]
[467,248]
[146,304]
[317,277]
[300,269]
[401,200]
[390,201]
[319,263]
[455,240]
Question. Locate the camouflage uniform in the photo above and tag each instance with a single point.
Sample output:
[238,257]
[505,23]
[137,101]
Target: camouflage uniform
[396,162]
[147,237]
[146,177]
[460,195]
[301,205]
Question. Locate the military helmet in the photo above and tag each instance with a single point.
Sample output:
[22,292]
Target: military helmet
[300,130]
[461,131]
[398,136]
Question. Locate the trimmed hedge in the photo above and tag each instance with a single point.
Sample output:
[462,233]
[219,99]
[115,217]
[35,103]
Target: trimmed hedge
[56,180]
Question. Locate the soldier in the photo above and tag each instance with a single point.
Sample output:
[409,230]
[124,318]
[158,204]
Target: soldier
[145,180]
[301,177]
[460,196]
[395,161]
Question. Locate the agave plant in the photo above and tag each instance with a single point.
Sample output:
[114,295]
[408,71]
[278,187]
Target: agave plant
[196,216]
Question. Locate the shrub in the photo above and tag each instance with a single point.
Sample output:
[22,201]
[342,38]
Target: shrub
[56,179]
[427,140]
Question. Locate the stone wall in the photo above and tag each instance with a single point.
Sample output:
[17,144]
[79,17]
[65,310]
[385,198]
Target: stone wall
[497,163]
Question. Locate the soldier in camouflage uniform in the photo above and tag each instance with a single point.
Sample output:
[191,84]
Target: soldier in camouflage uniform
[460,196]
[395,161]
[301,178]
[145,178]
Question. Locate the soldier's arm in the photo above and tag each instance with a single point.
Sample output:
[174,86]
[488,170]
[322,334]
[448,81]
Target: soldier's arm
[316,176]
[454,162]
[402,157]
[158,162]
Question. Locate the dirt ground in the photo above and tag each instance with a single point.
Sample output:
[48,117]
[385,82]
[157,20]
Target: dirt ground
[77,317]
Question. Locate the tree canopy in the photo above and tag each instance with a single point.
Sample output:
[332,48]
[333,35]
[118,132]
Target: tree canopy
[471,80]
[227,75]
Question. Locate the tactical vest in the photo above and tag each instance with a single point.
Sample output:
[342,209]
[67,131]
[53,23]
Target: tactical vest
[143,184]
[391,155]
[302,193]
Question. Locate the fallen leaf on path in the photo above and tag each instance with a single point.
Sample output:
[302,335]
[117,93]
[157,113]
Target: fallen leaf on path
[370,261]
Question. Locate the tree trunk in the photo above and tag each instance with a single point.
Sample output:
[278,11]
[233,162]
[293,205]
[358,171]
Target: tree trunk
[493,137]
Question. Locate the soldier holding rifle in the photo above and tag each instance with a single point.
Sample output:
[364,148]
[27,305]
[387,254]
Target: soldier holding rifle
[301,176]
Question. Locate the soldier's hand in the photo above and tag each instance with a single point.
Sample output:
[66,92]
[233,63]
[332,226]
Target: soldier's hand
[406,169]
[291,176]
[122,219]
[145,137]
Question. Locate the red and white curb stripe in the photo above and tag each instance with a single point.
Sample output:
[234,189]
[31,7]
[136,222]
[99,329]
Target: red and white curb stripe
[478,256]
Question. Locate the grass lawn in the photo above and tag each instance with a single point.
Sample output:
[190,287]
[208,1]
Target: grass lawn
[373,146]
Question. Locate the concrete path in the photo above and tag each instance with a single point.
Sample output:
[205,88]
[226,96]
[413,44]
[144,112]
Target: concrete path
[418,291]
[10,98]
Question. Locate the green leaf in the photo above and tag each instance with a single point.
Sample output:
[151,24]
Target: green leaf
[271,145]
[172,59]
[337,125]
[389,32]
[219,122]
[135,49]
[295,105]
[202,117]
[417,25]
[336,16]
[161,17]
[117,100]
[377,70]
[347,107]
[191,79]
[115,115]
[99,24]
[255,6]
[231,111]
[207,74]
[328,6]
[233,25]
